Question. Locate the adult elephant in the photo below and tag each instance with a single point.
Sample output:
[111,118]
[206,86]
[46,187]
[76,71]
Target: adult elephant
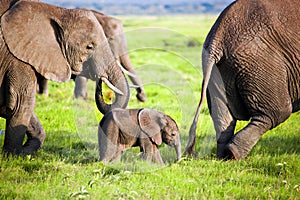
[251,66]
[114,31]
[41,39]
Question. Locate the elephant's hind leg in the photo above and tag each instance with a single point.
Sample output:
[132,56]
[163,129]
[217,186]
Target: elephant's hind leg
[269,103]
[224,121]
[243,141]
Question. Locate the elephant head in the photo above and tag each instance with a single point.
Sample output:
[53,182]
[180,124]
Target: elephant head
[62,37]
[160,128]
[115,33]
[111,75]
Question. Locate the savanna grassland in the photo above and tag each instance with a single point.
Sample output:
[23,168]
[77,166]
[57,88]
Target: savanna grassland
[166,52]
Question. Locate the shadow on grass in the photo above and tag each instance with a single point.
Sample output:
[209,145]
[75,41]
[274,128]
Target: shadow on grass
[279,144]
[271,145]
[69,148]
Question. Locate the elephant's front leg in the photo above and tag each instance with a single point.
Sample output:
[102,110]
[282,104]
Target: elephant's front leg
[16,127]
[35,135]
[80,90]
[20,100]
[150,152]
[109,149]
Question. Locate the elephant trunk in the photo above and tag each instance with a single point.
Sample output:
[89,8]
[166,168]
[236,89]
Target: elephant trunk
[117,81]
[177,147]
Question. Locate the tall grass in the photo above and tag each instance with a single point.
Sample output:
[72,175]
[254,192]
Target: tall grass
[167,58]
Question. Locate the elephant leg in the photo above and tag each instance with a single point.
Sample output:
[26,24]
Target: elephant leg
[14,136]
[35,135]
[117,156]
[20,91]
[243,141]
[42,85]
[109,149]
[150,152]
[224,122]
[80,87]
[270,106]
[16,127]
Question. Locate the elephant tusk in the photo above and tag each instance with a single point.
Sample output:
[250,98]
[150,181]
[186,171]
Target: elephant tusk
[134,86]
[111,86]
[125,71]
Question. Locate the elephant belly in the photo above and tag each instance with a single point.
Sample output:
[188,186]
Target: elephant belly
[237,108]
[234,99]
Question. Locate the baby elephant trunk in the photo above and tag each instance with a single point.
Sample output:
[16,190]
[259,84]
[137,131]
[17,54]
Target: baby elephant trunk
[177,146]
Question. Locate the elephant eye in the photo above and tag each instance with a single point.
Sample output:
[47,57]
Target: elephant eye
[90,46]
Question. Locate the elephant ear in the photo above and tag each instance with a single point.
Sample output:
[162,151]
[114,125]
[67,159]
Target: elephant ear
[151,123]
[126,121]
[31,35]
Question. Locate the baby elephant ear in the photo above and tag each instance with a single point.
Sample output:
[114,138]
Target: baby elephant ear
[126,121]
[151,122]
[30,34]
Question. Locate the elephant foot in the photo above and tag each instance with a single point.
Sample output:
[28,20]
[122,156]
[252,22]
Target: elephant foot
[223,153]
[190,153]
[141,96]
[83,96]
[234,152]
[31,146]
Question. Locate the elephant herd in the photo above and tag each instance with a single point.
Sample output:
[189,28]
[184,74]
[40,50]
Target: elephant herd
[250,62]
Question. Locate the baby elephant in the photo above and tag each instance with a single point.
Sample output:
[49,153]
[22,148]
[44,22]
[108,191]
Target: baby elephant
[121,129]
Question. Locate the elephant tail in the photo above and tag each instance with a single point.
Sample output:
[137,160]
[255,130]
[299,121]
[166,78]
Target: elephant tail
[212,53]
[207,63]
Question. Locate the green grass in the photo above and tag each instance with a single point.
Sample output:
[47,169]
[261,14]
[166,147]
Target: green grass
[67,168]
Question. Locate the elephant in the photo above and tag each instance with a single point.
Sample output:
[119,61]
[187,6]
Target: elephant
[121,129]
[251,71]
[114,31]
[39,39]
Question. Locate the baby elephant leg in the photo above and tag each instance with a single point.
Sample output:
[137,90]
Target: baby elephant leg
[109,150]
[150,152]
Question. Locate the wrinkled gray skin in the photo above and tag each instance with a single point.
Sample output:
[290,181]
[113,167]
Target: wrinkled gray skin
[113,29]
[251,66]
[121,129]
[38,38]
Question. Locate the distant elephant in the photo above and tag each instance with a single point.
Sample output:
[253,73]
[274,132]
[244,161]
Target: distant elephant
[121,129]
[114,31]
[39,39]
[251,67]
